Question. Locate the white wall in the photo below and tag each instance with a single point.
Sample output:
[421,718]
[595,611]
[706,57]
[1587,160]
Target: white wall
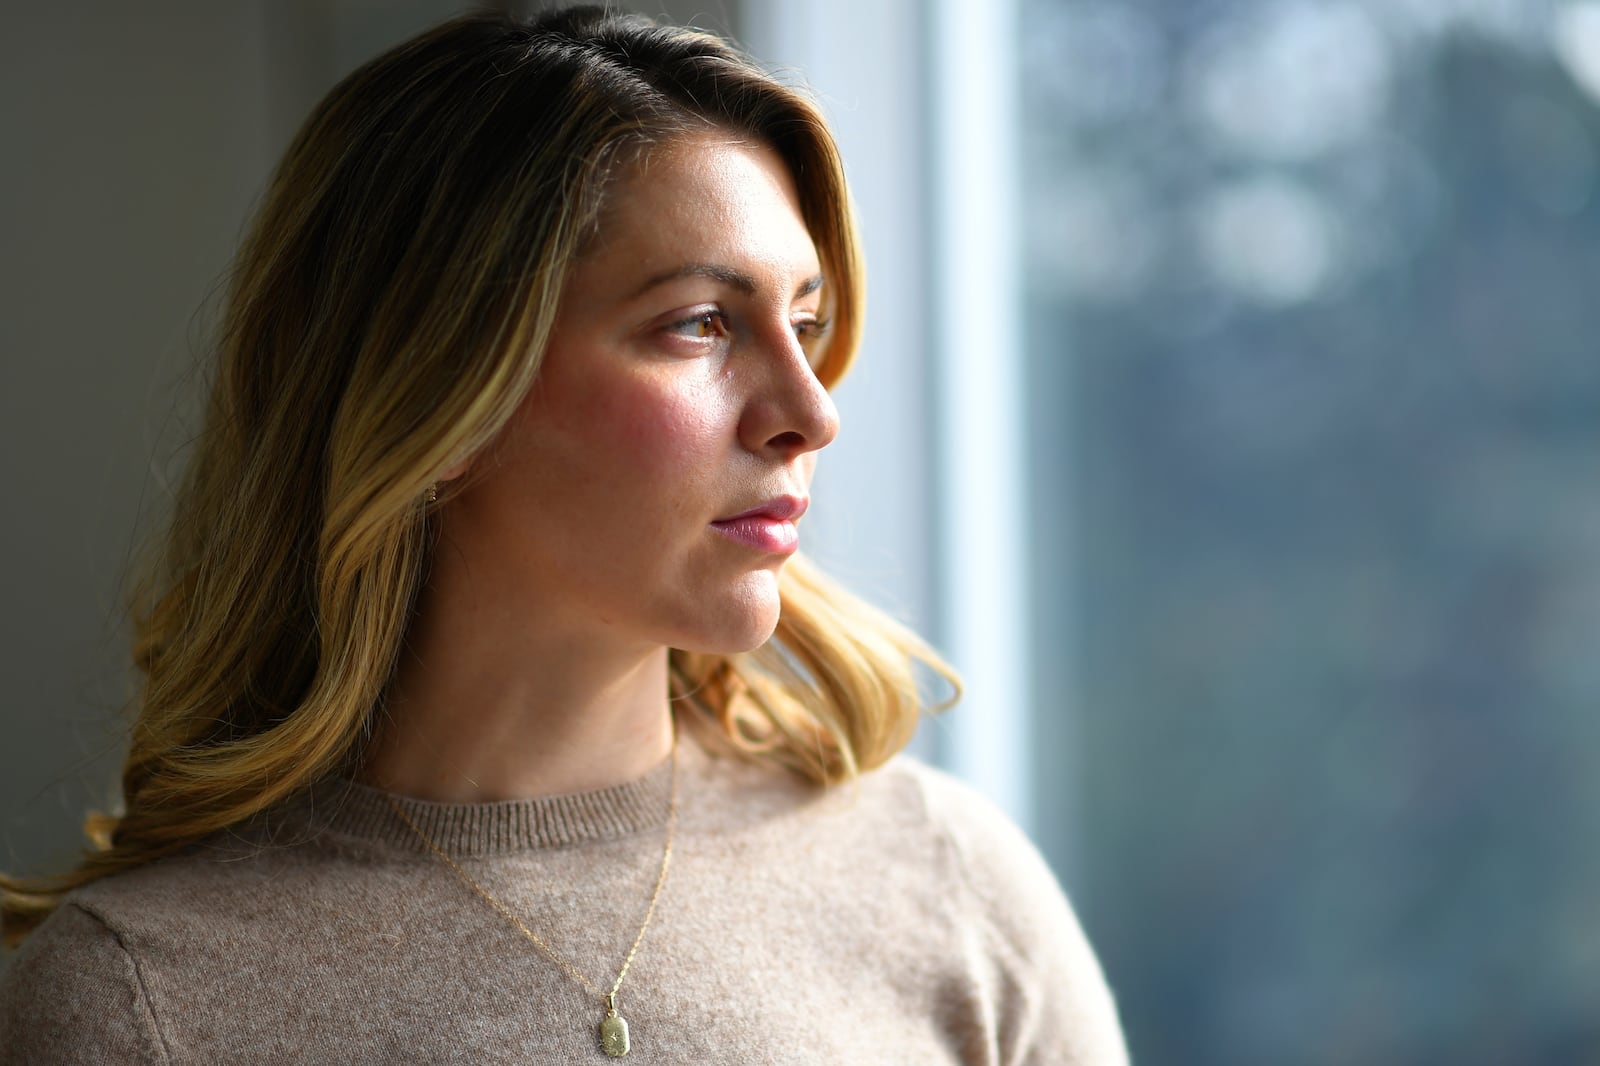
[134,144]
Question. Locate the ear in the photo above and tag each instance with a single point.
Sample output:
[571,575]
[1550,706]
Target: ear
[455,470]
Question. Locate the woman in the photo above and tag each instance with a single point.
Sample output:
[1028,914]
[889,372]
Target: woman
[521,388]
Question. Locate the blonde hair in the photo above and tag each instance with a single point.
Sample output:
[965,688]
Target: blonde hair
[386,314]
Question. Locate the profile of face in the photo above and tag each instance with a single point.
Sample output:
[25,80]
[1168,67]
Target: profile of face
[647,489]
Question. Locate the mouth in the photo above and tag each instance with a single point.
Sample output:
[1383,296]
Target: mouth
[778,509]
[768,527]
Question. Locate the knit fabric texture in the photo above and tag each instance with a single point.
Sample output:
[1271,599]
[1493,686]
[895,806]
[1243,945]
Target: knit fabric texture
[900,919]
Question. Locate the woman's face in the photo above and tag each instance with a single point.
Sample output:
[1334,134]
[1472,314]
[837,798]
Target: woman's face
[646,491]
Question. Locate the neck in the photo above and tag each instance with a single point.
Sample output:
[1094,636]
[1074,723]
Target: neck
[480,712]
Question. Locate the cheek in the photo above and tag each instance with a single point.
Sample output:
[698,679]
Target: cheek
[656,426]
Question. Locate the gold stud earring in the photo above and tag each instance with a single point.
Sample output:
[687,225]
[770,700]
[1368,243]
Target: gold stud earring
[432,495]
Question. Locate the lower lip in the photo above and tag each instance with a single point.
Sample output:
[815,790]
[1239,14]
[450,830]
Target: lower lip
[763,534]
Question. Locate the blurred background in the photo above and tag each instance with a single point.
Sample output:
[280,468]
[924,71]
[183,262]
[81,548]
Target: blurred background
[1228,412]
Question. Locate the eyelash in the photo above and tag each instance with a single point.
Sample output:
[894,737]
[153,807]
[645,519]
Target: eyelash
[809,329]
[701,319]
[812,329]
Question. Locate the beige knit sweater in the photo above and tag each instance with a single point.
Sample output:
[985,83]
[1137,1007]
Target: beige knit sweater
[901,921]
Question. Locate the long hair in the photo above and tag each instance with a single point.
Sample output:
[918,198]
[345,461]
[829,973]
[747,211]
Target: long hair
[386,314]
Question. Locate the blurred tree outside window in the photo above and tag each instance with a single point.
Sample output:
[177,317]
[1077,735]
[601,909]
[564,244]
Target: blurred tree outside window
[1315,431]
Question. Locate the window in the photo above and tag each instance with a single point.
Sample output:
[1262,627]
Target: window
[1306,441]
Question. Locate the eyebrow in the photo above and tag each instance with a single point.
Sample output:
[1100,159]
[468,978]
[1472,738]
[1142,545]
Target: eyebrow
[735,279]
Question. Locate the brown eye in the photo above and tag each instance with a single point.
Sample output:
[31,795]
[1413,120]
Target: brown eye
[705,325]
[811,332]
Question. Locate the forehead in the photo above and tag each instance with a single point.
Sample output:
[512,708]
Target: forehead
[707,199]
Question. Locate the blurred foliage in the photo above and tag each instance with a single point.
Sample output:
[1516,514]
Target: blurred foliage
[1316,429]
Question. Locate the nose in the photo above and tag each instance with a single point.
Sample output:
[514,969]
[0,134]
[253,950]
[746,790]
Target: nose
[787,412]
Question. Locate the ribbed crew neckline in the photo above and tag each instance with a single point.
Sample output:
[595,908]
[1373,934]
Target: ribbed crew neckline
[477,830]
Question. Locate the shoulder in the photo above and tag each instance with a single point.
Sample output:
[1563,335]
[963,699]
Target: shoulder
[86,985]
[1006,880]
[1023,937]
[73,993]
[126,966]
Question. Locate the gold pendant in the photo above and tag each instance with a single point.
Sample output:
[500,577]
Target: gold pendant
[614,1034]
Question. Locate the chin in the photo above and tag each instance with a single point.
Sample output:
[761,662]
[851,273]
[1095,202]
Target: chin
[746,624]
[735,641]
[760,636]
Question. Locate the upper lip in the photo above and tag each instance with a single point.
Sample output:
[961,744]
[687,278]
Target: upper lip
[778,509]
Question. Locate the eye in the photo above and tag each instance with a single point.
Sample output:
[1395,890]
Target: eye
[811,332]
[702,325]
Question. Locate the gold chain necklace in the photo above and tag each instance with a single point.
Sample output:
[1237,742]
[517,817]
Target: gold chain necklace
[613,1027]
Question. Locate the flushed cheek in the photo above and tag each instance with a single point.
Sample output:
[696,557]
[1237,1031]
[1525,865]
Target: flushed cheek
[670,423]
[662,433]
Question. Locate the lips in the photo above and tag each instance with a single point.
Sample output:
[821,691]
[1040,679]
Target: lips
[779,509]
[768,527]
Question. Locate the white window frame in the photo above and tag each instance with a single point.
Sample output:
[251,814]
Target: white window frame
[923,497]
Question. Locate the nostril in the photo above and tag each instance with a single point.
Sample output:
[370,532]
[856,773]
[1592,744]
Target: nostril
[788,441]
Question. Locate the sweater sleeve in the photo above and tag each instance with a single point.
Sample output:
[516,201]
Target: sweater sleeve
[1048,998]
[73,994]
